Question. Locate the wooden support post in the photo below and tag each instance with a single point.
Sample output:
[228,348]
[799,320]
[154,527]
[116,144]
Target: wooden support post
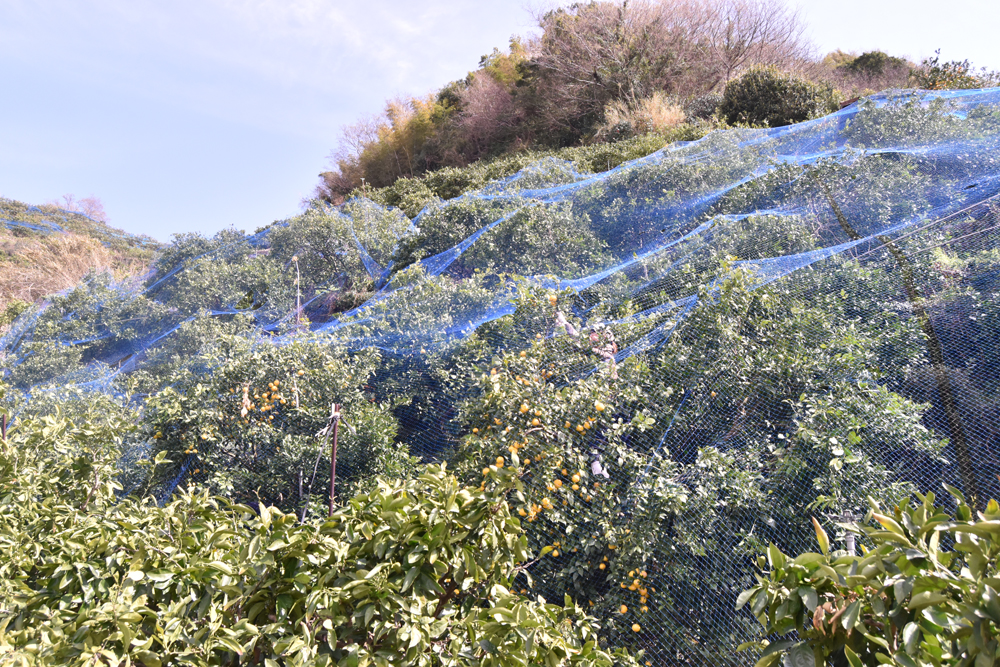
[335,418]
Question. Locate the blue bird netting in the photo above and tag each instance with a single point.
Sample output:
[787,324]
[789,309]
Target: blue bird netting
[776,324]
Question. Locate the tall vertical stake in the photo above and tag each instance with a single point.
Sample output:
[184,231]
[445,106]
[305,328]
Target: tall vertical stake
[333,454]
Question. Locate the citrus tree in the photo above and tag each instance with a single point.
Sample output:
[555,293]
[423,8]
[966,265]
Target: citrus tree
[924,591]
[250,428]
[417,572]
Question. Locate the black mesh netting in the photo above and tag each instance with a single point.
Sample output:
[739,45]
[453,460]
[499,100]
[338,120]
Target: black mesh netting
[686,356]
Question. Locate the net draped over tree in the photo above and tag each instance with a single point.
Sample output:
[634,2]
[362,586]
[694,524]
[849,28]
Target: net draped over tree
[681,358]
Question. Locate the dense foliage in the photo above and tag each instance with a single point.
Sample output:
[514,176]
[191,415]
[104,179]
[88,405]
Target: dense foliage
[556,89]
[412,573]
[766,96]
[954,74]
[924,592]
[603,71]
[652,372]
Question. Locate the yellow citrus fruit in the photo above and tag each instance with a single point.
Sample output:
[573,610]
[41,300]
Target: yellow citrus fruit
[523,354]
[624,609]
[557,483]
[535,422]
[635,627]
[500,461]
[524,408]
[602,566]
[599,406]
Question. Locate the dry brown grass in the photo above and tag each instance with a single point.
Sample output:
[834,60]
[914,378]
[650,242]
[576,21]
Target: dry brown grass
[32,268]
[656,113]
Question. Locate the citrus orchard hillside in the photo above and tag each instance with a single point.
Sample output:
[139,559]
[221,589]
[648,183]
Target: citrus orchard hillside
[588,398]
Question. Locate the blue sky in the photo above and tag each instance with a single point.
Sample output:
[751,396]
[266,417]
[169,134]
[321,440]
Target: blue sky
[195,115]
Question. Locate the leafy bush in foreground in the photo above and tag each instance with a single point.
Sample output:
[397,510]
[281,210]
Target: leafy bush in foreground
[412,573]
[925,594]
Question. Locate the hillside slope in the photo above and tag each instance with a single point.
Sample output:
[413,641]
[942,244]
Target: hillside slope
[45,249]
[680,359]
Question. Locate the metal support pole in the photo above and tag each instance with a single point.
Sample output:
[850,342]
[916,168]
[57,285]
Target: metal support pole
[850,543]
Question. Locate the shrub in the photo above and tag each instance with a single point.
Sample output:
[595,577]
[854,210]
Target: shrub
[873,64]
[925,593]
[15,308]
[955,74]
[767,96]
[656,113]
[702,107]
[410,195]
